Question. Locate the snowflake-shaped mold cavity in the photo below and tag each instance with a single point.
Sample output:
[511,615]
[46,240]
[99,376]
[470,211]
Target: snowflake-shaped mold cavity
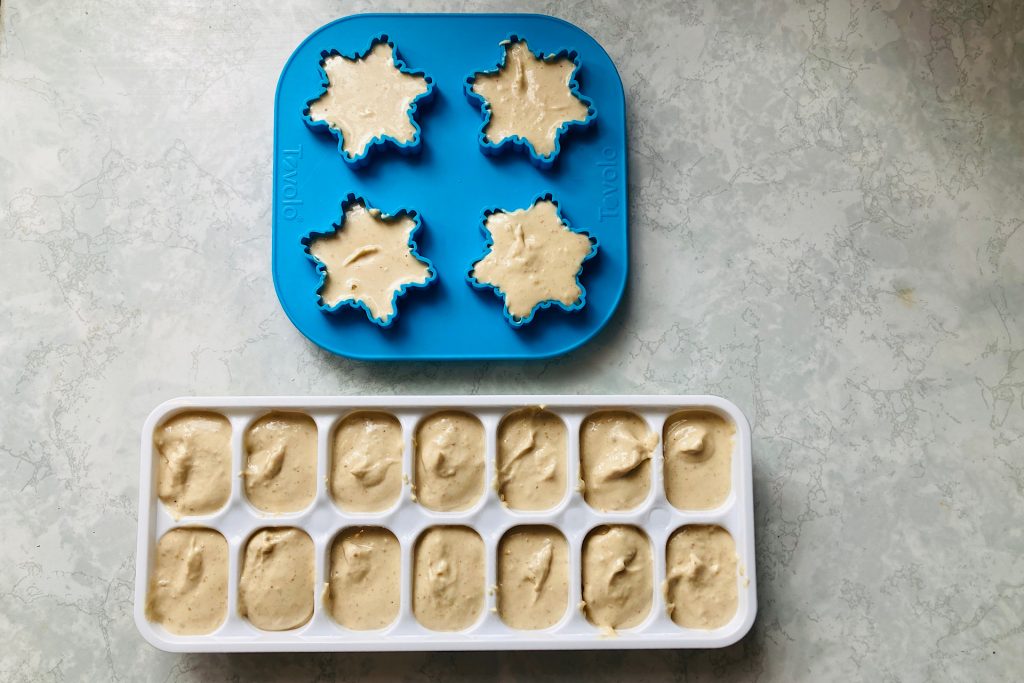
[530,100]
[369,99]
[367,260]
[533,260]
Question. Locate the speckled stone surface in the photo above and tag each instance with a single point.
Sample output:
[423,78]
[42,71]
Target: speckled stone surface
[827,201]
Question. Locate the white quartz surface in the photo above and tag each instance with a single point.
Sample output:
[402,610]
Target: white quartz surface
[827,207]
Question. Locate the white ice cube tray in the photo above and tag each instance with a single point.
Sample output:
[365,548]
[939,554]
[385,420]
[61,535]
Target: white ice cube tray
[322,520]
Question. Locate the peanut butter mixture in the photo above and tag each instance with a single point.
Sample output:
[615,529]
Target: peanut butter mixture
[701,588]
[698,459]
[449,461]
[616,447]
[533,577]
[534,258]
[363,589]
[188,590]
[618,577]
[275,591]
[368,260]
[448,578]
[188,585]
[529,98]
[280,462]
[194,468]
[367,99]
[532,455]
[366,462]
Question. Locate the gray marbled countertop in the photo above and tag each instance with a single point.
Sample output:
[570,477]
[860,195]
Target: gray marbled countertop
[827,201]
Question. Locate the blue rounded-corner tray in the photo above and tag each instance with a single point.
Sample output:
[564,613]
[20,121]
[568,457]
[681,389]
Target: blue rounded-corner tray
[449,183]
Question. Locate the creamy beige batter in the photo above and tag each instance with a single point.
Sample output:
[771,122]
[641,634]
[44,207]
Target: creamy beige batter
[701,586]
[194,468]
[368,98]
[275,591]
[449,461]
[363,589]
[368,260]
[615,459]
[280,462]
[533,577]
[366,462]
[532,455]
[188,590]
[698,459]
[448,578]
[535,258]
[529,98]
[617,576]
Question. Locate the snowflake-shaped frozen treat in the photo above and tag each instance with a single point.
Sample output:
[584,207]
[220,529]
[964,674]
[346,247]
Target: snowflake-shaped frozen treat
[368,260]
[533,260]
[530,100]
[369,99]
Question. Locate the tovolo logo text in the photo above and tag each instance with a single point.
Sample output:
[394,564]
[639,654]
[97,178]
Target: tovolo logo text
[290,202]
[610,206]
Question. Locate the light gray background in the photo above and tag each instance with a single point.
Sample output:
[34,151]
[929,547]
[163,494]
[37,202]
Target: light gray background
[827,202]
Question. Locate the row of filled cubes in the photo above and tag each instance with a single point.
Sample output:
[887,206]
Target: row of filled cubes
[616,448]
[188,587]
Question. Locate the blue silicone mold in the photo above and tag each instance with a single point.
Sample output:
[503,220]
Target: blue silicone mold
[488,146]
[340,225]
[574,306]
[322,126]
[449,183]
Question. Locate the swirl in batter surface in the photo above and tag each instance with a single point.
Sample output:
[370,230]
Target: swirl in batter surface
[275,591]
[188,589]
[363,590]
[698,459]
[194,467]
[533,577]
[368,98]
[369,260]
[449,461]
[448,578]
[616,447]
[534,259]
[366,462]
[701,586]
[280,462]
[618,576]
[530,98]
[532,455]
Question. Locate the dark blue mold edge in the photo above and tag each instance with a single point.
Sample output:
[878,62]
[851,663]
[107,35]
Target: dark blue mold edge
[519,322]
[361,160]
[516,141]
[321,269]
